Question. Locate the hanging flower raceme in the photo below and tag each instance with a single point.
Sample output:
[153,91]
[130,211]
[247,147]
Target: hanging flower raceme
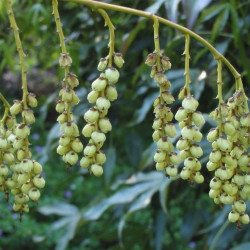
[98,125]
[164,129]
[69,143]
[229,159]
[25,179]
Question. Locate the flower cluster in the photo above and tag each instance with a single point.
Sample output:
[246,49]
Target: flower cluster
[69,143]
[229,159]
[102,94]
[164,157]
[189,121]
[18,172]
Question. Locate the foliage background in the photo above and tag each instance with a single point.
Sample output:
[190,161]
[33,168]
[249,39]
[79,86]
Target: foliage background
[132,206]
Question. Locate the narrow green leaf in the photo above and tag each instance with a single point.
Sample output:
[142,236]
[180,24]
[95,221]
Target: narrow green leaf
[234,24]
[210,12]
[63,209]
[243,246]
[220,23]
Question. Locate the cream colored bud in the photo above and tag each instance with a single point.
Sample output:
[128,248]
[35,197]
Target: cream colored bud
[211,136]
[167,97]
[89,150]
[245,120]
[197,135]
[229,128]
[224,108]
[62,150]
[165,62]
[31,100]
[64,140]
[98,137]
[224,144]
[181,114]
[233,216]
[8,157]
[198,178]
[215,183]
[28,116]
[118,60]
[102,64]
[16,108]
[91,115]
[102,104]
[221,173]
[163,144]
[161,165]
[97,170]
[3,143]
[244,219]
[22,131]
[104,125]
[76,145]
[243,161]
[171,171]
[170,130]
[111,93]
[190,163]
[4,170]
[38,181]
[182,144]
[62,118]
[215,156]
[60,106]
[72,80]
[159,156]
[37,167]
[34,194]
[88,129]
[99,84]
[151,59]
[85,162]
[198,119]
[112,74]
[65,60]
[174,158]
[184,154]
[100,157]
[196,151]
[182,93]
[156,135]
[71,157]
[160,77]
[185,173]
[190,104]
[188,132]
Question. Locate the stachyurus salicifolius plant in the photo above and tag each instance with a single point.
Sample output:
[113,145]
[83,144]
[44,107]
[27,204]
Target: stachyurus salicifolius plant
[229,158]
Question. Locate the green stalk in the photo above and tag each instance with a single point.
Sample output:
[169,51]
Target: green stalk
[6,108]
[187,58]
[157,43]
[111,27]
[22,56]
[219,95]
[20,51]
[55,12]
[94,5]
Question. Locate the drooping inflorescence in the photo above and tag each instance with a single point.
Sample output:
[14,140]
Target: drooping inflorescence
[164,157]
[229,158]
[189,122]
[18,172]
[102,94]
[69,143]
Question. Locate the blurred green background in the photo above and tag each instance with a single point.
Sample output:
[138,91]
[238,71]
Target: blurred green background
[132,206]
